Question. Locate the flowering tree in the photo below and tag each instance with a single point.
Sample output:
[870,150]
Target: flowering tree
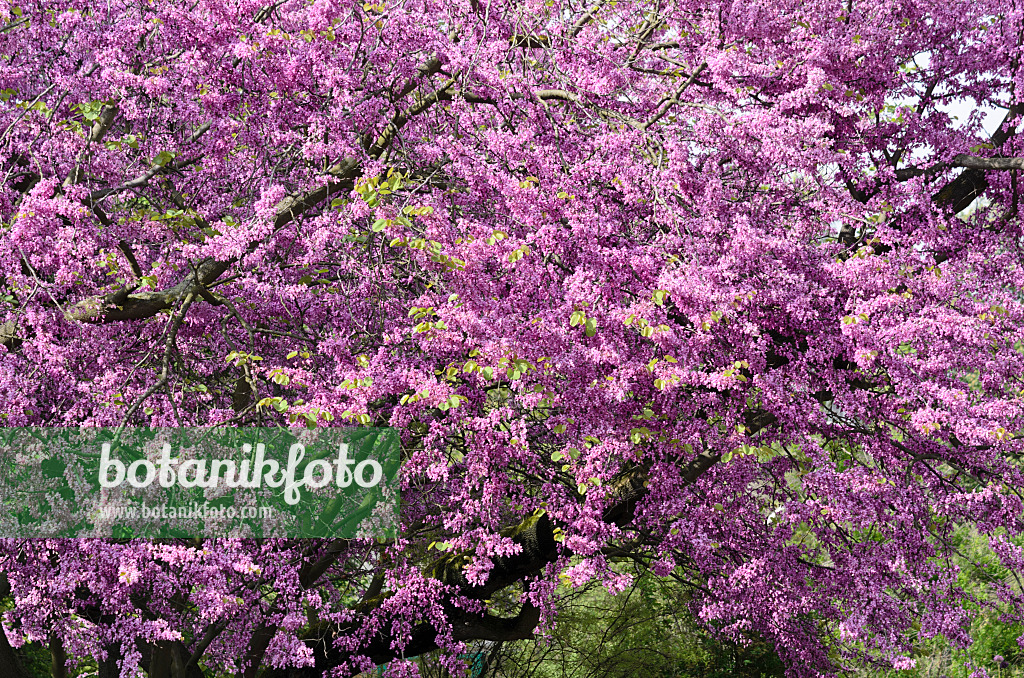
[690,283]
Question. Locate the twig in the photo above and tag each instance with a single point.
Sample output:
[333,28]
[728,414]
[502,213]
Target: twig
[169,345]
[25,112]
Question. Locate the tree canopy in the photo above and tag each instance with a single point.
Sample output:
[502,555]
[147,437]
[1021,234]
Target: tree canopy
[730,290]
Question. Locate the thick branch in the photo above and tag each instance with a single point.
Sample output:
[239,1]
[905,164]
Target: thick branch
[590,15]
[964,161]
[974,162]
[959,193]
[121,305]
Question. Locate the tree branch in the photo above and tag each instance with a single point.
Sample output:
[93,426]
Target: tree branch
[959,193]
[974,162]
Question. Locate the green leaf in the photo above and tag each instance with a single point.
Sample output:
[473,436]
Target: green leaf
[91,110]
[162,158]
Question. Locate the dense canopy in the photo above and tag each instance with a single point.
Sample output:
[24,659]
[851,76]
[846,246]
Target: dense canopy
[729,290]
